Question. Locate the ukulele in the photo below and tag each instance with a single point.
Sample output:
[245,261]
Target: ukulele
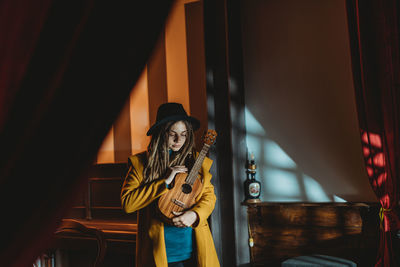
[186,187]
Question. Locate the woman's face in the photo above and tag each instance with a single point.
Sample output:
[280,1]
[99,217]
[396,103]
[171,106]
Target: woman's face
[177,135]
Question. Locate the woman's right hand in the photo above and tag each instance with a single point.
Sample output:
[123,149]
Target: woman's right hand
[173,171]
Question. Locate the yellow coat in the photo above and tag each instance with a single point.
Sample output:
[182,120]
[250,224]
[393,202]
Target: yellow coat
[150,245]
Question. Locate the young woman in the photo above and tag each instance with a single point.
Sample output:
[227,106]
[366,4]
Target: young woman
[188,242]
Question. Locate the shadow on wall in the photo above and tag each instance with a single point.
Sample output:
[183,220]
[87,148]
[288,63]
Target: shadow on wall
[284,180]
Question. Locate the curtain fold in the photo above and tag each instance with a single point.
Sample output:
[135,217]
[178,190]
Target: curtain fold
[20,28]
[374,38]
[67,69]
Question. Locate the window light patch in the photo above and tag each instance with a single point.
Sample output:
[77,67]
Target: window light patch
[253,146]
[314,191]
[281,183]
[252,125]
[338,199]
[276,156]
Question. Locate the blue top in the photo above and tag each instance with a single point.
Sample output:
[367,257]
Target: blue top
[178,242]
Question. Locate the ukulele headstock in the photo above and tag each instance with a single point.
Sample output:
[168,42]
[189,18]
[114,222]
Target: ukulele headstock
[210,136]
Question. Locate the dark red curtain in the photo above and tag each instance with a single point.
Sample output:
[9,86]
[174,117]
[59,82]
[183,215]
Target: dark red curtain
[374,37]
[66,70]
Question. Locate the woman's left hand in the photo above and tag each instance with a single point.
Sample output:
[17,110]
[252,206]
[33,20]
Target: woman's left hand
[185,219]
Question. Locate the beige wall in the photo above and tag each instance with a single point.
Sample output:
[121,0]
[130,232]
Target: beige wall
[176,57]
[139,115]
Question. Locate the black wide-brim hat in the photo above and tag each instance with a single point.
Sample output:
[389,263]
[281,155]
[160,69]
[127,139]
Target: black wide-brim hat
[172,112]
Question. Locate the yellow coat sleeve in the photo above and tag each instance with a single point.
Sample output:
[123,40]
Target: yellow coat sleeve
[135,194]
[206,202]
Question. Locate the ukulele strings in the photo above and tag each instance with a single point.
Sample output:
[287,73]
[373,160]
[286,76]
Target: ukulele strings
[193,175]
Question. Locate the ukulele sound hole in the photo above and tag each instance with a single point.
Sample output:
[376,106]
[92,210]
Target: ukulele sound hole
[186,188]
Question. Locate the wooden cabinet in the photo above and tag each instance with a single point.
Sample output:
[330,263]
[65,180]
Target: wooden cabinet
[284,230]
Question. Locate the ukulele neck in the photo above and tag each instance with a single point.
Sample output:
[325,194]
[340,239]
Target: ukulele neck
[191,178]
